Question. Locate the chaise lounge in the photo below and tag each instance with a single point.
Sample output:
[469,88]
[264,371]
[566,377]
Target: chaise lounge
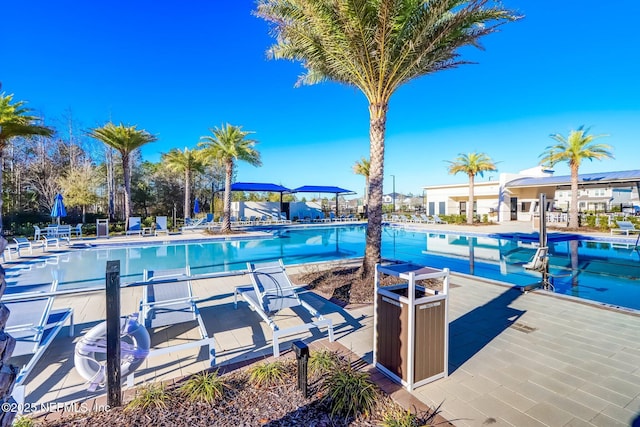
[271,292]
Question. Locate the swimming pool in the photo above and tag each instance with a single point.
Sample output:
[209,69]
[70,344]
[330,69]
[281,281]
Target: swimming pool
[600,271]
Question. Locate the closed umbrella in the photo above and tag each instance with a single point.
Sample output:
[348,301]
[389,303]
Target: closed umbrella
[58,209]
[196,206]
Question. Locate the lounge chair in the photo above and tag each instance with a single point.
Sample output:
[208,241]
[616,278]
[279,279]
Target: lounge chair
[426,219]
[52,241]
[271,292]
[437,220]
[190,224]
[34,325]
[135,226]
[161,225]
[23,243]
[171,303]
[625,227]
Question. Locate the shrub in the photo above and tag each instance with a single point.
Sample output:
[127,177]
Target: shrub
[150,396]
[267,374]
[398,417]
[204,387]
[350,393]
[322,362]
[22,421]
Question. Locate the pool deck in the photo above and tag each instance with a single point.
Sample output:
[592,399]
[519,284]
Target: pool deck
[515,359]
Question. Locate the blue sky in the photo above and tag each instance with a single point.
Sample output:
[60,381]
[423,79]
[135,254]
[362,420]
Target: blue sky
[177,69]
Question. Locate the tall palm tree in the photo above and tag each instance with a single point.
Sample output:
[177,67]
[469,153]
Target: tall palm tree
[16,121]
[471,164]
[377,46]
[125,140]
[362,167]
[187,162]
[575,148]
[228,145]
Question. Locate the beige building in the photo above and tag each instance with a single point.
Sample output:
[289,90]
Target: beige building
[514,196]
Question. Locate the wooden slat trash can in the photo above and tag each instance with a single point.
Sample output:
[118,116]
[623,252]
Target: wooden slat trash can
[411,325]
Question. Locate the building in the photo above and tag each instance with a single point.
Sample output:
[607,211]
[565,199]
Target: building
[515,196]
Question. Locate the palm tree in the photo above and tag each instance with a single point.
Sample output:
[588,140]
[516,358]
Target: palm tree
[361,167]
[471,164]
[577,147]
[15,122]
[376,46]
[125,140]
[228,145]
[188,162]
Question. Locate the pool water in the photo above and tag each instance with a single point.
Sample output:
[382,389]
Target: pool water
[599,271]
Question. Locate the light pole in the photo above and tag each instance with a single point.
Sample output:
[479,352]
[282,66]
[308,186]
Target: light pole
[393,195]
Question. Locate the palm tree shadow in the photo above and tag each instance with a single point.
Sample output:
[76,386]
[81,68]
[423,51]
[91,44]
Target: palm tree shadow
[469,333]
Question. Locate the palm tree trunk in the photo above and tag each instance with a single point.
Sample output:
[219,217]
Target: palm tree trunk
[187,193]
[127,189]
[226,212]
[1,183]
[471,197]
[377,127]
[573,209]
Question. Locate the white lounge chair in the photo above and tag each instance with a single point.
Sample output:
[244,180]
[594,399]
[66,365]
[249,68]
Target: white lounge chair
[51,241]
[625,227]
[271,292]
[135,226]
[437,220]
[34,325]
[171,303]
[161,225]
[426,219]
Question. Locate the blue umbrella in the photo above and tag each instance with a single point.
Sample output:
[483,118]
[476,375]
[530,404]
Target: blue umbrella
[196,206]
[58,209]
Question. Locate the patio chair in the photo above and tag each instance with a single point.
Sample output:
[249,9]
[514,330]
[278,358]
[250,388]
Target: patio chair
[22,243]
[34,325]
[426,219]
[52,241]
[77,230]
[625,227]
[437,220]
[135,226]
[190,224]
[161,225]
[170,303]
[271,292]
[37,232]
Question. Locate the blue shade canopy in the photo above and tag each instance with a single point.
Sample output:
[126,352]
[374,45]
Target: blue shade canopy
[196,206]
[58,209]
[321,189]
[257,186]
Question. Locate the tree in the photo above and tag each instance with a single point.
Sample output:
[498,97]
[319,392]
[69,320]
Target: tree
[471,164]
[125,140]
[80,186]
[361,167]
[376,46]
[574,149]
[187,162]
[16,121]
[228,145]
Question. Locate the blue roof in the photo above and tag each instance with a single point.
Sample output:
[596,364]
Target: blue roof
[588,178]
[258,186]
[321,189]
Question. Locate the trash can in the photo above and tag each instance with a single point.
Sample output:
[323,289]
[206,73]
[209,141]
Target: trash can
[102,228]
[411,325]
